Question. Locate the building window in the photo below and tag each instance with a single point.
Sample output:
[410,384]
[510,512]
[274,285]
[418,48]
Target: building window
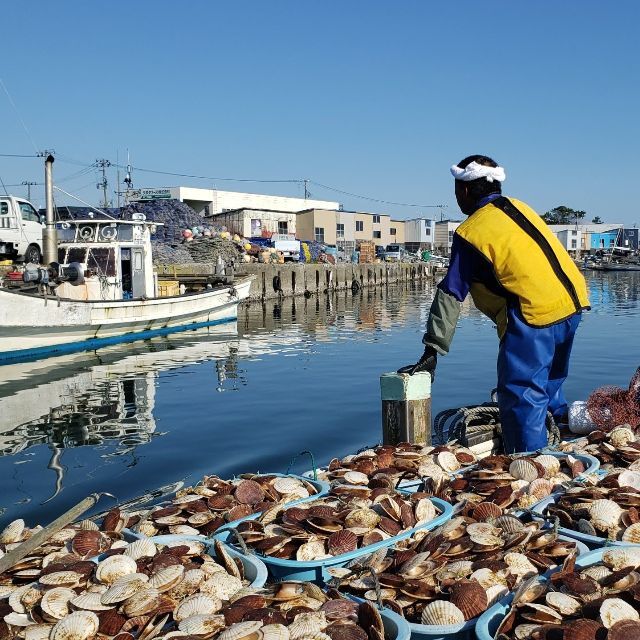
[574,232]
[283,228]
[359,225]
[377,235]
[319,234]
[427,231]
[392,231]
[340,230]
[207,210]
[574,244]
[450,236]
[376,219]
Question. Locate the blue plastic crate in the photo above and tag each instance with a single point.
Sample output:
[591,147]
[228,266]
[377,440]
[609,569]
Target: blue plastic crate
[316,571]
[490,620]
[322,488]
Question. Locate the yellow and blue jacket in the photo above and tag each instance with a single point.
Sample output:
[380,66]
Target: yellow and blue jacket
[505,255]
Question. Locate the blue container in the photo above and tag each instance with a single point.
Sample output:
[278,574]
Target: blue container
[254,569]
[490,620]
[592,465]
[316,571]
[592,542]
[395,626]
[322,489]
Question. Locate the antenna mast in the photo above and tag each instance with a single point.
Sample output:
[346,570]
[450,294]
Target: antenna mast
[103,184]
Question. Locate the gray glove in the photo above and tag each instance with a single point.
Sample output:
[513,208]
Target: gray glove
[427,363]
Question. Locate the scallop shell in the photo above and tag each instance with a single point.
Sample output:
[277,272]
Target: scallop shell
[484,511]
[197,605]
[448,461]
[90,601]
[621,436]
[519,564]
[495,593]
[431,470]
[562,602]
[425,511]
[442,612]
[38,632]
[596,571]
[343,541]
[183,530]
[124,588]
[604,514]
[89,525]
[114,567]
[142,602]
[540,488]
[167,578]
[221,585]
[488,578]
[61,578]
[13,532]
[469,597]
[55,602]
[613,610]
[550,463]
[141,549]
[79,625]
[629,479]
[509,524]
[238,630]
[274,632]
[15,598]
[87,543]
[287,485]
[362,518]
[310,551]
[523,469]
[632,534]
[307,624]
[15,619]
[356,477]
[205,626]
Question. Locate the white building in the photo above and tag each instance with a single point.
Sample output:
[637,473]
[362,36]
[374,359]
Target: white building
[444,235]
[577,237]
[256,223]
[209,202]
[419,233]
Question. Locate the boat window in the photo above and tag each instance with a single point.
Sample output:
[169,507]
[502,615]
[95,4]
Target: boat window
[102,260]
[77,254]
[137,260]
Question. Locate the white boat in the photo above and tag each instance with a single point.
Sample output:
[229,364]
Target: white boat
[103,291]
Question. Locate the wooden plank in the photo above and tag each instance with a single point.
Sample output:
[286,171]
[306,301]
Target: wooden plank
[406,408]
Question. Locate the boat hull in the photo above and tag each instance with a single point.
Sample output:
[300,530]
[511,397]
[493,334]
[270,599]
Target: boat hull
[32,327]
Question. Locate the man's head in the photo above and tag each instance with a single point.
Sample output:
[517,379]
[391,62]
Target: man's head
[470,189]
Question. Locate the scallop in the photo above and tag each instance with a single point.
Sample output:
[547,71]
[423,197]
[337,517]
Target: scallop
[183,530]
[55,602]
[469,597]
[621,436]
[448,461]
[15,619]
[79,625]
[90,601]
[167,578]
[123,588]
[519,564]
[114,567]
[312,550]
[275,632]
[622,557]
[629,479]
[307,625]
[362,518]
[488,578]
[37,632]
[61,578]
[356,477]
[550,463]
[142,602]
[203,626]
[604,514]
[425,511]
[562,602]
[613,610]
[13,532]
[141,549]
[286,485]
[236,631]
[197,605]
[523,469]
[632,534]
[442,612]
[540,488]
[221,585]
[495,593]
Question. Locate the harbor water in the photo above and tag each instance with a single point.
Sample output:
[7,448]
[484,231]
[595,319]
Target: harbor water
[299,375]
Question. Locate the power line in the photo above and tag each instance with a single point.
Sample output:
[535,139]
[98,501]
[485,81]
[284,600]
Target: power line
[20,155]
[24,126]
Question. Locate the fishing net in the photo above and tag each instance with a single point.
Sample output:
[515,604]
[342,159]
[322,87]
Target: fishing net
[611,407]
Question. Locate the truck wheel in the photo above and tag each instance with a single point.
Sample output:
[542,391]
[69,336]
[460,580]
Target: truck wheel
[32,254]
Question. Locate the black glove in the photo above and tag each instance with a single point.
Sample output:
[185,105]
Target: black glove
[427,363]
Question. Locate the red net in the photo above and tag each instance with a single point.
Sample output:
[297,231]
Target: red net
[610,407]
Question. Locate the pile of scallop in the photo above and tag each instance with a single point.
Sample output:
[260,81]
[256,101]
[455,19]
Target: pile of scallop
[350,519]
[499,482]
[387,465]
[600,602]
[453,574]
[213,502]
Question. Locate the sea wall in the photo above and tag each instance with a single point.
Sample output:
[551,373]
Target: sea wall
[284,280]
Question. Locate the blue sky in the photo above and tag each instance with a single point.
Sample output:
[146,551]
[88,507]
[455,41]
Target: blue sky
[373,97]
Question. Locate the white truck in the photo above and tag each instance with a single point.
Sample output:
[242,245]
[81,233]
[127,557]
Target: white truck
[289,246]
[20,230]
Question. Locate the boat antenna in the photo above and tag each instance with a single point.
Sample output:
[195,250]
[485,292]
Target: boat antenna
[70,195]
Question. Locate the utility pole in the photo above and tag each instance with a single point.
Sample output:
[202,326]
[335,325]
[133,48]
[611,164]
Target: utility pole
[28,184]
[306,189]
[103,164]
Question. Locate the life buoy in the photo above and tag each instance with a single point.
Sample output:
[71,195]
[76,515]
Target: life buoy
[86,232]
[109,233]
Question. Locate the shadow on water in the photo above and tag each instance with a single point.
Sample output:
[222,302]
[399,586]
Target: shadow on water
[292,374]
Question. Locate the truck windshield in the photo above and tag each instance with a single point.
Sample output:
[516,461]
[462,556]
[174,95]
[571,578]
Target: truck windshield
[393,247]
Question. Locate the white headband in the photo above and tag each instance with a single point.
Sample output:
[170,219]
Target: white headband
[473,171]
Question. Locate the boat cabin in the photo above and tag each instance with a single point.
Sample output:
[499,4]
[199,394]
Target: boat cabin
[115,256]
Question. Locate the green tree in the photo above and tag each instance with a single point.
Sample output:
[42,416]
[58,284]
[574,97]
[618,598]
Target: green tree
[563,215]
[597,220]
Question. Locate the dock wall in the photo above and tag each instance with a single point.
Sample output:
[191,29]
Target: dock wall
[285,280]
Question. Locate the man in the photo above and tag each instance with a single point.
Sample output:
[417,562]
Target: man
[520,276]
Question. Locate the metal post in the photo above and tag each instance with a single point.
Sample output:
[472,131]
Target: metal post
[49,233]
[406,408]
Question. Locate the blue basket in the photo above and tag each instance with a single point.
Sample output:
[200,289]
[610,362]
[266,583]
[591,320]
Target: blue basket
[395,626]
[316,570]
[490,620]
[321,487]
[591,463]
[592,542]
[254,569]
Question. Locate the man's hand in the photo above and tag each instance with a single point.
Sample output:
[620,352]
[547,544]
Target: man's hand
[427,363]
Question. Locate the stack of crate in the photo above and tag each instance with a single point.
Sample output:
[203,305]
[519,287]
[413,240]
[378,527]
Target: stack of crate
[167,288]
[367,252]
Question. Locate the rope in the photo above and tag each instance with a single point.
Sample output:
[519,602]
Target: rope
[482,418]
[313,463]
[243,545]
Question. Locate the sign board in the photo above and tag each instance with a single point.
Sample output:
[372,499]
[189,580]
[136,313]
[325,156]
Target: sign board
[149,194]
[283,236]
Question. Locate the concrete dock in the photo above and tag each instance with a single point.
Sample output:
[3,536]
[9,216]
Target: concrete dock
[285,280]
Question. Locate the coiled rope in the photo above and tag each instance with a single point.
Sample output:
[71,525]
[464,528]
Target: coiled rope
[482,418]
